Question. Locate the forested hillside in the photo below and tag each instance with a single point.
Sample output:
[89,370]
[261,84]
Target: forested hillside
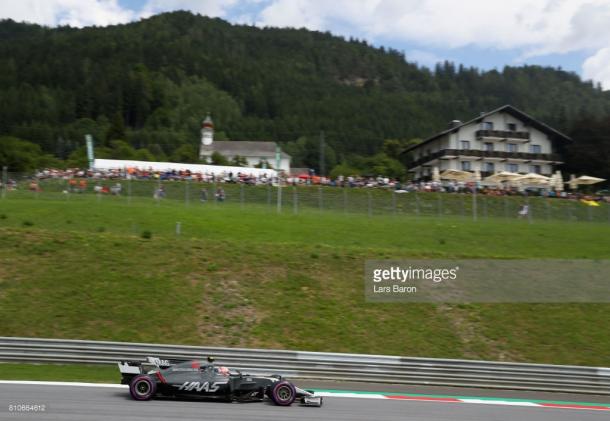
[151,82]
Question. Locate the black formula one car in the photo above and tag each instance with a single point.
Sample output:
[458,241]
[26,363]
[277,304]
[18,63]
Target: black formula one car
[204,379]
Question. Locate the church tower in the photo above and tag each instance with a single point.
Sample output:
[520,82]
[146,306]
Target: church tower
[207,135]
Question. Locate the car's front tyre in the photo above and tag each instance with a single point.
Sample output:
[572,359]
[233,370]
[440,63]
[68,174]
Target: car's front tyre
[142,387]
[283,393]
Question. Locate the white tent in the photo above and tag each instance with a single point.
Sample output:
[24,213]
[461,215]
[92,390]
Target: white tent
[216,170]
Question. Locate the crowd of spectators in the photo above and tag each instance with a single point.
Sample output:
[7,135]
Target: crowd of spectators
[78,178]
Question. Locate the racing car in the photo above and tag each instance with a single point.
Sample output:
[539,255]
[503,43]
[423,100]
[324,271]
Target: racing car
[204,379]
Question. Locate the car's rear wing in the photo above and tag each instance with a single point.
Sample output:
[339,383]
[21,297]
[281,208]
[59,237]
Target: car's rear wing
[130,369]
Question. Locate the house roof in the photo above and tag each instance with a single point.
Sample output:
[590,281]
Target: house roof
[507,109]
[244,148]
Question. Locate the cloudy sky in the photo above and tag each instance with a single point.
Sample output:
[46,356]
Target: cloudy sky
[573,34]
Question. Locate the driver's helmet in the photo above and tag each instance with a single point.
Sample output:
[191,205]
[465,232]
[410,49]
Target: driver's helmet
[223,371]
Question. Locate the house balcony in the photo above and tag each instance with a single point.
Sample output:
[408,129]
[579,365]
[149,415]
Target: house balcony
[498,156]
[503,135]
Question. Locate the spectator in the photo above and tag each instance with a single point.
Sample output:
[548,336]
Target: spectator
[524,212]
[220,194]
[159,193]
[116,189]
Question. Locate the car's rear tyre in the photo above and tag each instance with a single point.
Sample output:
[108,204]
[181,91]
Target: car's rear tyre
[142,387]
[283,393]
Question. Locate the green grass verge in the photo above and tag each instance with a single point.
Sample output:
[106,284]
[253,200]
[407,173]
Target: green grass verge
[56,372]
[249,277]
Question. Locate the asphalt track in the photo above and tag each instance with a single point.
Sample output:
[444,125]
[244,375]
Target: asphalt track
[67,403]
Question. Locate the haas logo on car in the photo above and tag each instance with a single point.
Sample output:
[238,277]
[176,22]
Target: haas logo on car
[199,387]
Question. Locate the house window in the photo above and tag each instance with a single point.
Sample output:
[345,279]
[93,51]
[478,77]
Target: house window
[512,127]
[488,147]
[536,169]
[465,144]
[489,167]
[488,125]
[535,149]
[465,165]
[512,167]
[511,147]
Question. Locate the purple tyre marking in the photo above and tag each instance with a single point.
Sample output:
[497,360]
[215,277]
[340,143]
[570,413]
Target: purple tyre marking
[142,388]
[283,393]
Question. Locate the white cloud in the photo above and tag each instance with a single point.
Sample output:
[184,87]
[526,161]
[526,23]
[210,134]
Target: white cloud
[597,67]
[215,8]
[449,23]
[533,28]
[77,13]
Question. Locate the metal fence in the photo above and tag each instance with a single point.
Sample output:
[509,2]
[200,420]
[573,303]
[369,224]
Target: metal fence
[296,199]
[324,366]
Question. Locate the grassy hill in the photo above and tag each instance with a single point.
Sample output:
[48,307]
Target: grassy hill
[249,277]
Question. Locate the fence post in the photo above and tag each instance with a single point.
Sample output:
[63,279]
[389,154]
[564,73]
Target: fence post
[4,180]
[474,204]
[129,189]
[269,194]
[279,195]
[439,204]
[368,193]
[295,200]
[241,195]
[158,195]
[320,198]
[178,228]
[462,205]
[187,193]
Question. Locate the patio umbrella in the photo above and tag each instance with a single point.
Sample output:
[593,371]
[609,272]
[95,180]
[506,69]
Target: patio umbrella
[502,176]
[585,179]
[558,181]
[573,184]
[457,175]
[533,179]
